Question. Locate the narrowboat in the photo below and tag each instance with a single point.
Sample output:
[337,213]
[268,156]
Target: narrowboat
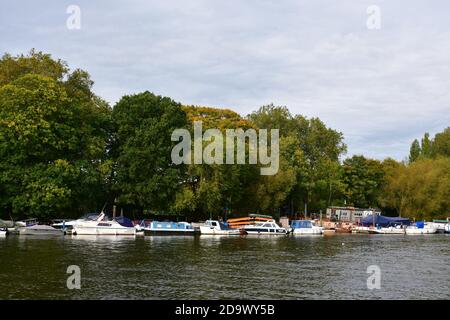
[168,228]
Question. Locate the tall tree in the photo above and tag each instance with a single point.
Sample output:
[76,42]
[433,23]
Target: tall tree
[53,137]
[144,175]
[414,151]
[426,145]
[441,144]
[320,146]
[363,179]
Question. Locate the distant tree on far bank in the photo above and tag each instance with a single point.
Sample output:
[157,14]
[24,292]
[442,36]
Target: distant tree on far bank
[431,148]
[420,190]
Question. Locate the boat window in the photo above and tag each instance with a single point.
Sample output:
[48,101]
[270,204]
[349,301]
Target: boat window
[102,224]
[223,226]
[214,224]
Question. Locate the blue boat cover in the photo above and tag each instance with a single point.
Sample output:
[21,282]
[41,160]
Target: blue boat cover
[420,224]
[125,222]
[383,221]
[301,224]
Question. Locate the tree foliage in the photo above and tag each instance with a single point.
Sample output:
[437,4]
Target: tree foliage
[144,175]
[64,152]
[53,137]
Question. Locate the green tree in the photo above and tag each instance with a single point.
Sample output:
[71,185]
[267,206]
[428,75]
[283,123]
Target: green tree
[363,179]
[414,151]
[144,175]
[321,148]
[441,144]
[426,145]
[53,137]
[210,189]
[420,190]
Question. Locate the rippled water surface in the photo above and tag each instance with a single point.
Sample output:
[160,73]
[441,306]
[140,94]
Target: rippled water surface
[214,267]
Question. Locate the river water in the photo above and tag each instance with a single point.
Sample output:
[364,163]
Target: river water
[221,267]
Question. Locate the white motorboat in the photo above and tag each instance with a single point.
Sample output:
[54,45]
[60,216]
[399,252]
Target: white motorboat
[38,230]
[265,228]
[305,227]
[214,227]
[102,226]
[421,228]
[439,225]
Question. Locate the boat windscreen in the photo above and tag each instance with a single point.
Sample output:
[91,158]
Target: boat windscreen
[125,222]
[223,226]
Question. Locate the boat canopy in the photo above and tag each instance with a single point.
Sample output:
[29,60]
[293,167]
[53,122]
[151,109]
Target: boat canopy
[124,222]
[383,221]
[420,224]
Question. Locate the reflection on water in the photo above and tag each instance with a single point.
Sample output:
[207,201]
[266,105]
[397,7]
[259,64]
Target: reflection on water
[225,267]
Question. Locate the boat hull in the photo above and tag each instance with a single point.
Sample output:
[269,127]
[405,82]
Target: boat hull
[150,232]
[104,231]
[387,231]
[278,232]
[307,232]
[420,231]
[212,231]
[39,231]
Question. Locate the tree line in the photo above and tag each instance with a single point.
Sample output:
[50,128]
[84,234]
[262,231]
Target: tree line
[64,152]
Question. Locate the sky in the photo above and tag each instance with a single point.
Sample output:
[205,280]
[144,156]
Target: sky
[380,76]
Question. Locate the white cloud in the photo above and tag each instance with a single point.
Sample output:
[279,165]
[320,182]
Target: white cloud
[381,88]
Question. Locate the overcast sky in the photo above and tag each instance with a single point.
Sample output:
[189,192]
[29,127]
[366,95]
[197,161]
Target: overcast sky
[381,87]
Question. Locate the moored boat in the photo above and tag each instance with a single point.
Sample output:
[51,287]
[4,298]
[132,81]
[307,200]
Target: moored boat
[38,230]
[168,228]
[265,228]
[120,226]
[305,227]
[218,227]
[420,227]
[388,230]
[439,225]
[3,232]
